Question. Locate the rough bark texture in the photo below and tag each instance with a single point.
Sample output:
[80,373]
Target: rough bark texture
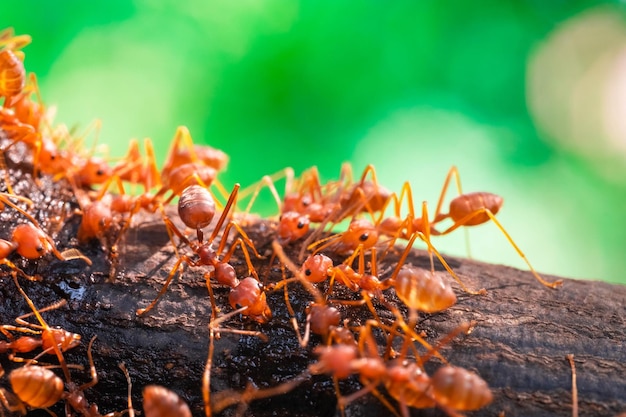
[523,330]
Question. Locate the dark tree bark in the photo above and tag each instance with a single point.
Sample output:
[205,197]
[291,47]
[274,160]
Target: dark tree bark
[519,345]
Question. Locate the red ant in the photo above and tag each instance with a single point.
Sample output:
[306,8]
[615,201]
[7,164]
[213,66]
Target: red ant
[477,208]
[27,111]
[31,380]
[450,388]
[306,200]
[197,212]
[187,165]
[49,337]
[137,169]
[31,242]
[184,151]
[55,340]
[362,235]
[363,196]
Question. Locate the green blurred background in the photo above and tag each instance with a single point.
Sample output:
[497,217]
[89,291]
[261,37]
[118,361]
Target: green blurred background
[527,98]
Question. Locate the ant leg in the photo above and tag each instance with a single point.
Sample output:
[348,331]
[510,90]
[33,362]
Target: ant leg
[343,401]
[182,139]
[131,410]
[172,230]
[426,232]
[269,182]
[214,307]
[19,270]
[324,243]
[229,398]
[278,251]
[5,169]
[183,258]
[11,402]
[20,320]
[66,255]
[345,174]
[438,216]
[410,332]
[92,368]
[464,328]
[431,249]
[4,199]
[570,358]
[302,340]
[229,204]
[214,330]
[452,172]
[246,254]
[492,217]
[243,236]
[153,177]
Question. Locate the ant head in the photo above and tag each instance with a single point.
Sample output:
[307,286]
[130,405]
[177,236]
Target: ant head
[292,226]
[360,233]
[315,268]
[249,293]
[93,171]
[32,242]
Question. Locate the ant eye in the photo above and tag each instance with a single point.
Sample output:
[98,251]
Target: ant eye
[364,237]
[300,225]
[100,172]
[39,248]
[308,272]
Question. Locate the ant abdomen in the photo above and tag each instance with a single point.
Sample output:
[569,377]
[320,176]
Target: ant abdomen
[460,389]
[160,402]
[36,386]
[467,204]
[196,207]
[423,290]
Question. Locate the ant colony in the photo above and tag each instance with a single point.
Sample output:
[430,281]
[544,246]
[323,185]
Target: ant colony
[335,265]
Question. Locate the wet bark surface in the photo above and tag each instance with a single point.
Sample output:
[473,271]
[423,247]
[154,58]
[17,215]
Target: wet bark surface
[522,335]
